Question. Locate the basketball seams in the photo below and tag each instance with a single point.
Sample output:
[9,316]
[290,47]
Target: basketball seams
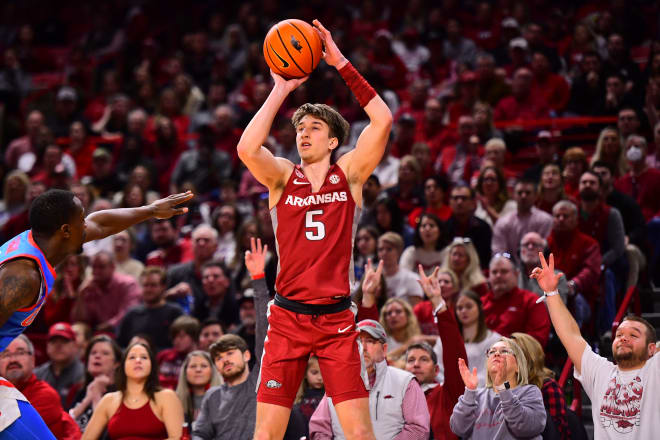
[311,52]
[288,53]
[272,63]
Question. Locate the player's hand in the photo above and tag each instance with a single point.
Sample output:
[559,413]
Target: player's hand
[288,85]
[332,55]
[371,278]
[545,275]
[470,379]
[255,258]
[167,207]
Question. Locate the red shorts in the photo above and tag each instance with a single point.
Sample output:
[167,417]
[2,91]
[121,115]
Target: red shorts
[292,338]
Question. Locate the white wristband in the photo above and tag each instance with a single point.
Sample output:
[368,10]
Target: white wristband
[546,294]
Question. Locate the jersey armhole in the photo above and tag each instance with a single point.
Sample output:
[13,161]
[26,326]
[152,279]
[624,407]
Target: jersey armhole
[38,267]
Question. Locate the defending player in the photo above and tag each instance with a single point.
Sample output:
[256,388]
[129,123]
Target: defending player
[59,228]
[314,208]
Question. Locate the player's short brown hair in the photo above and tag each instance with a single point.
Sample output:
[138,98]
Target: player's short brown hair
[228,342]
[651,336]
[339,127]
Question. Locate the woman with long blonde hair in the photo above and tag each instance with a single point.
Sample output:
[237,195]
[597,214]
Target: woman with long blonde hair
[610,150]
[551,188]
[198,374]
[401,326]
[461,257]
[508,407]
[544,379]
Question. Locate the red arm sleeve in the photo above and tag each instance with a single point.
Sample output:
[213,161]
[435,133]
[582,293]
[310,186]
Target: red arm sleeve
[367,312]
[453,348]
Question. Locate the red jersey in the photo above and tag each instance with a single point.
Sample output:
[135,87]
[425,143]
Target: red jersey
[314,233]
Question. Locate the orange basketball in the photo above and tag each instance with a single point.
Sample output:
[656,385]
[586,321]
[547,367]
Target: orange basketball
[292,48]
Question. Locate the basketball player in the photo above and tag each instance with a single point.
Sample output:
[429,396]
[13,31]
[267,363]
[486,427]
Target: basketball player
[59,228]
[315,206]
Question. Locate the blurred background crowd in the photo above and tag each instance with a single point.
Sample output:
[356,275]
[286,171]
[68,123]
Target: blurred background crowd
[519,127]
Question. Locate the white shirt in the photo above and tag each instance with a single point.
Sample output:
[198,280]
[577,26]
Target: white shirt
[388,172]
[403,284]
[624,404]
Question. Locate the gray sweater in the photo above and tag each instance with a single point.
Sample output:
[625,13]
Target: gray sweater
[229,412]
[511,414]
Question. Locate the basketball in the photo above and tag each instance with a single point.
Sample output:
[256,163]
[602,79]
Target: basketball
[292,48]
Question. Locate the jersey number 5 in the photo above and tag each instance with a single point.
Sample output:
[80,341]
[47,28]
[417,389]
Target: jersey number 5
[315,229]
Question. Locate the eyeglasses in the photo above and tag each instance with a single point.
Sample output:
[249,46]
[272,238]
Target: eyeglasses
[532,245]
[502,255]
[501,352]
[19,353]
[462,240]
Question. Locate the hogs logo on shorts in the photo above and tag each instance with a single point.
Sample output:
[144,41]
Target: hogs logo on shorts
[273,384]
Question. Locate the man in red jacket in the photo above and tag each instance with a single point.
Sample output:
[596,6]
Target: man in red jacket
[422,361]
[508,308]
[577,255]
[17,366]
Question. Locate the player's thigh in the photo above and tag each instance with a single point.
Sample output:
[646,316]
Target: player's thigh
[30,426]
[340,358]
[354,418]
[272,421]
[284,360]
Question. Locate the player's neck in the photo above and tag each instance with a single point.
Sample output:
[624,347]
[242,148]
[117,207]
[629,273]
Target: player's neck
[51,249]
[316,170]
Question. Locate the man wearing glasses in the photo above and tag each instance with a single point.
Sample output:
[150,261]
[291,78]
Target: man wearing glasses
[17,366]
[530,246]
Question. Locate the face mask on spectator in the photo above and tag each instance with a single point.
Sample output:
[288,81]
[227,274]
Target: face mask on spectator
[634,154]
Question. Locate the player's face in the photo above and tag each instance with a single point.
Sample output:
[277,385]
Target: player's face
[78,233]
[313,139]
[232,363]
[138,364]
[420,363]
[198,371]
[629,347]
[209,335]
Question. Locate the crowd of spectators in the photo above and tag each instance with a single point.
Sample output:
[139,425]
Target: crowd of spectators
[125,102]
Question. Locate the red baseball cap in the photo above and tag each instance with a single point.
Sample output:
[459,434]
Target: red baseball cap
[63,330]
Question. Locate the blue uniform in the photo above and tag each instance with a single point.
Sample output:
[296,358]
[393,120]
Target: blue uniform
[24,246]
[18,419]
